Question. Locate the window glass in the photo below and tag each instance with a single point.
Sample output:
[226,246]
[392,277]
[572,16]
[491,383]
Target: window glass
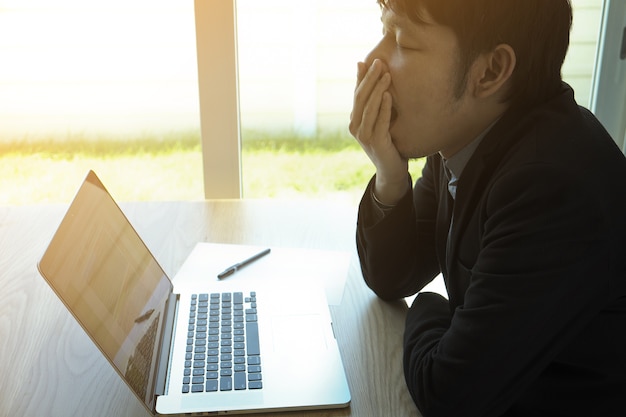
[112,86]
[109,86]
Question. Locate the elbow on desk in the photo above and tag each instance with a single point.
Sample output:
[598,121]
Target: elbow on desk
[384,289]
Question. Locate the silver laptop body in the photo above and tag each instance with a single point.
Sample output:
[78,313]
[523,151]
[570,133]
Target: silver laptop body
[105,275]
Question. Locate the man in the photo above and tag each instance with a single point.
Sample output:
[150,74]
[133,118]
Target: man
[521,206]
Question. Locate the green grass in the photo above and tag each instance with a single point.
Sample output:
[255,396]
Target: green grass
[169,167]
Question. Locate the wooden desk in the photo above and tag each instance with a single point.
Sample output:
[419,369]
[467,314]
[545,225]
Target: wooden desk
[49,366]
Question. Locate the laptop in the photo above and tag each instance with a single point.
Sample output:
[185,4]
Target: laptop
[190,350]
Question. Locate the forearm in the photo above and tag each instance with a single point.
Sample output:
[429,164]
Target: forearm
[396,258]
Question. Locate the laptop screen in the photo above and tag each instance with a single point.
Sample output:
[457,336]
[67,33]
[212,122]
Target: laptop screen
[111,283]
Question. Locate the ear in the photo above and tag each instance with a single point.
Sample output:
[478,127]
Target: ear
[492,71]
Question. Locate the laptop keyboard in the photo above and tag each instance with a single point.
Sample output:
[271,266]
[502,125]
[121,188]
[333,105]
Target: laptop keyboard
[222,344]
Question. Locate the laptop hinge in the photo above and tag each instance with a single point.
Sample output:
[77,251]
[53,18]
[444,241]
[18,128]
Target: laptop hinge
[171,311]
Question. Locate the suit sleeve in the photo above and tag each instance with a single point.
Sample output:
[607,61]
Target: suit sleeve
[387,247]
[529,295]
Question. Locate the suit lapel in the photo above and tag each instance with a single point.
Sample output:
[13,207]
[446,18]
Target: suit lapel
[479,170]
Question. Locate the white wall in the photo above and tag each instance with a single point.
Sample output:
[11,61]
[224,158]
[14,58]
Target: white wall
[128,66]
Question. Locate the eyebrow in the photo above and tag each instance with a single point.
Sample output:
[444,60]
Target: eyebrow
[391,22]
[414,18]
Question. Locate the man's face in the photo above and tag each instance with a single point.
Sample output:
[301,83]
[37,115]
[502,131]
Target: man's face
[430,112]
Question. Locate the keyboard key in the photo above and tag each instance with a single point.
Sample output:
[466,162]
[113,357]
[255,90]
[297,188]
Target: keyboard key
[197,388]
[238,298]
[211,385]
[240,381]
[226,383]
[254,377]
[252,338]
[255,385]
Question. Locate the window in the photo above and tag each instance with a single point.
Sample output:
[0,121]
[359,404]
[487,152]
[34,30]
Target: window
[82,72]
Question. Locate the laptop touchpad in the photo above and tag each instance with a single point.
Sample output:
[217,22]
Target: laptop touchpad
[304,333]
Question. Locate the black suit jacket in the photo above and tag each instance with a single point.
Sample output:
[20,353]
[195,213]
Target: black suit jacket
[535,270]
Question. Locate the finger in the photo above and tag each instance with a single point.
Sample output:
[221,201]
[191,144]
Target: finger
[360,73]
[367,99]
[383,121]
[372,109]
[368,77]
[363,94]
[361,69]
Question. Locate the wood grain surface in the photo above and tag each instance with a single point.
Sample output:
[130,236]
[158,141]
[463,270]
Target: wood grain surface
[50,367]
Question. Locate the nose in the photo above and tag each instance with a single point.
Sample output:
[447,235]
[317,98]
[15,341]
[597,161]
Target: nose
[378,52]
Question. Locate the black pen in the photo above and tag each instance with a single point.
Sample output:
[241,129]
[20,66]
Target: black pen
[232,269]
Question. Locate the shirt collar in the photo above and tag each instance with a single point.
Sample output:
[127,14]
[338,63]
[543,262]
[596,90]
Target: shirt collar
[457,162]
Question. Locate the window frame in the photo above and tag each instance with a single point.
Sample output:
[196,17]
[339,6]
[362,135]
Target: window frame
[218,85]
